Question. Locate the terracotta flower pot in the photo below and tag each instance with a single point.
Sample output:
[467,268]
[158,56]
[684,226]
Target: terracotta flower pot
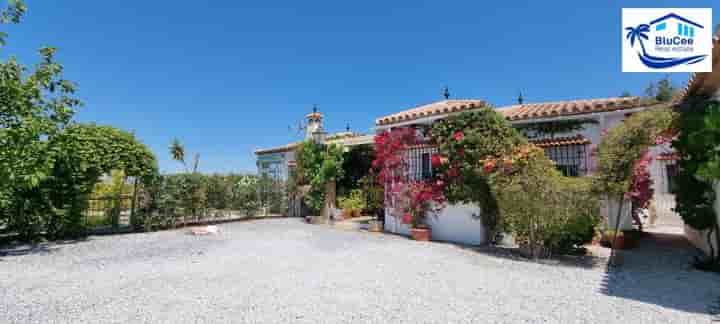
[609,240]
[375,226]
[619,243]
[420,234]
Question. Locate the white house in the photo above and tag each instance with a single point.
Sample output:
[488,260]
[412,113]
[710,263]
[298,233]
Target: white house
[572,151]
[277,162]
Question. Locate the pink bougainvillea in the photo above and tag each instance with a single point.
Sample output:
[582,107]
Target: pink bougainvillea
[436,160]
[459,135]
[641,183]
[412,200]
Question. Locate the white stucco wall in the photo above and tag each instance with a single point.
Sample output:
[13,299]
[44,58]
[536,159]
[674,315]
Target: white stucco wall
[456,223]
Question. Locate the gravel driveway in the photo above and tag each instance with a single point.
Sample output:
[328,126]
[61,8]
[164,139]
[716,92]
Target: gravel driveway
[284,271]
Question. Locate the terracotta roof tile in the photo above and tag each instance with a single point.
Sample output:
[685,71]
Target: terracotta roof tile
[561,141]
[517,112]
[433,109]
[564,108]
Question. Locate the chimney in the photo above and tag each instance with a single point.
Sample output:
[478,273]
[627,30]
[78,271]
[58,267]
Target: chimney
[314,129]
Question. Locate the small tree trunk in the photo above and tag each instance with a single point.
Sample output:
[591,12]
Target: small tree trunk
[621,199]
[329,204]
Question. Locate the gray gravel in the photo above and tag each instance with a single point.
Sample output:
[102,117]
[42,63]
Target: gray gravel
[282,271]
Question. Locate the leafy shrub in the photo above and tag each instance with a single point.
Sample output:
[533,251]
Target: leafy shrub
[353,204]
[621,149]
[174,199]
[699,167]
[318,165]
[545,211]
[374,194]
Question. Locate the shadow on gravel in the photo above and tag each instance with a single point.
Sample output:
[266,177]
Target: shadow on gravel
[20,249]
[658,272]
[580,261]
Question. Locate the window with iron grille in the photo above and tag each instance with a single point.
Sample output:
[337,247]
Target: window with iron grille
[419,162]
[571,160]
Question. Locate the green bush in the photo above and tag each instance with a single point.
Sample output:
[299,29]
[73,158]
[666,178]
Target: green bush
[174,199]
[353,204]
[546,211]
[318,165]
[699,168]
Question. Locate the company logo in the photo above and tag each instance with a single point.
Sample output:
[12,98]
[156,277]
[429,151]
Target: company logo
[667,40]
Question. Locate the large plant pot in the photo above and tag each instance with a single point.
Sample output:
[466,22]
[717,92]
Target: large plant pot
[420,234]
[618,244]
[375,226]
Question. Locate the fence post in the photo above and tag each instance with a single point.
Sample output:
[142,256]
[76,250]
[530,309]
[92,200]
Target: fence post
[132,205]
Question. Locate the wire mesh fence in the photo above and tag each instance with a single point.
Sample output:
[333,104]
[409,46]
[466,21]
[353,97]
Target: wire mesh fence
[109,214]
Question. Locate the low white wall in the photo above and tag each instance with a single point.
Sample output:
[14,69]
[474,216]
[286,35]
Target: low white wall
[456,223]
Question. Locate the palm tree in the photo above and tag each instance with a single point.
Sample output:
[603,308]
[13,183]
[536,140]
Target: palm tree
[638,33]
[177,151]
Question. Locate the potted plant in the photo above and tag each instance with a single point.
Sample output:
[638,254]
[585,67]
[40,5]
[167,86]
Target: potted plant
[421,198]
[421,232]
[374,195]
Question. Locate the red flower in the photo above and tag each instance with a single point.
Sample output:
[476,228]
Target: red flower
[458,136]
[489,166]
[407,219]
[453,172]
[435,160]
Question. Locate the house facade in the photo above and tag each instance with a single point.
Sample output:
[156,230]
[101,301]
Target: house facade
[278,162]
[572,147]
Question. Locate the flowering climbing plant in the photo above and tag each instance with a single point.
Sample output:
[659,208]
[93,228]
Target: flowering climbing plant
[411,200]
[462,140]
[416,200]
[641,190]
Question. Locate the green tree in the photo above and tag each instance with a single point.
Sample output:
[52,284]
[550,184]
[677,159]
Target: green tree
[37,104]
[177,152]
[622,147]
[12,14]
[699,168]
[660,91]
[317,165]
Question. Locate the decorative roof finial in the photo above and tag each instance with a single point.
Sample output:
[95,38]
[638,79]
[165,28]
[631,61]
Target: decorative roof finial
[446,93]
[347,127]
[315,110]
[520,99]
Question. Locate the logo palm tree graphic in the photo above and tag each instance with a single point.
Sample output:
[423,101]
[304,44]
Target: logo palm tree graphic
[638,33]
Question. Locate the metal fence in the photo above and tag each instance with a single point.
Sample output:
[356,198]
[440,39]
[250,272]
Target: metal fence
[109,214]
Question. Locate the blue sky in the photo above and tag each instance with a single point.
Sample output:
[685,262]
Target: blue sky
[227,77]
